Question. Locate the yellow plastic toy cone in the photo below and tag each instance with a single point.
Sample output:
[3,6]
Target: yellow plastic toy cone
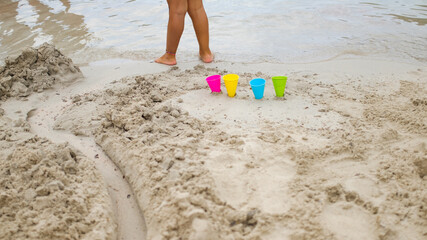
[231,81]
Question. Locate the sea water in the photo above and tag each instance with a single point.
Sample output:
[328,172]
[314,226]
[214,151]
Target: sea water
[240,30]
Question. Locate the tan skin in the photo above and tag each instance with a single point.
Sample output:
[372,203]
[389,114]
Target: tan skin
[177,11]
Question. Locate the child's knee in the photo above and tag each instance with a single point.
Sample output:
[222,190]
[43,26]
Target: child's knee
[178,11]
[194,7]
[179,7]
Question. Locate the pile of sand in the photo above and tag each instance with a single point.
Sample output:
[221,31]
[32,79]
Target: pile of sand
[47,191]
[348,162]
[35,70]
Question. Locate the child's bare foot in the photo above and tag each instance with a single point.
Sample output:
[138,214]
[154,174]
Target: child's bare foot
[167,58]
[206,57]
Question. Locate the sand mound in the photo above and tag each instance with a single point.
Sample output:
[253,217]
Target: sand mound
[49,191]
[168,148]
[35,70]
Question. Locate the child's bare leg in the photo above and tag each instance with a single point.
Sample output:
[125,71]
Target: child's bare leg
[177,11]
[201,27]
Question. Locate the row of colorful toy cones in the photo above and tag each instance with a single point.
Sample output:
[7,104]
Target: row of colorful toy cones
[257,85]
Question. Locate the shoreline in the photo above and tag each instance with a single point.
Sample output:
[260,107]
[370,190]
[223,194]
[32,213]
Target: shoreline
[91,55]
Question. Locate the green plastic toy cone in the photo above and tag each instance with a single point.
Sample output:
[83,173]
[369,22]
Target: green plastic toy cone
[279,83]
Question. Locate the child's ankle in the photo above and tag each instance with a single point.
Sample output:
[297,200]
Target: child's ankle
[205,51]
[169,56]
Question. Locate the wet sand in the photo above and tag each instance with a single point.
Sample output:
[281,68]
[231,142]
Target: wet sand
[342,156]
[344,148]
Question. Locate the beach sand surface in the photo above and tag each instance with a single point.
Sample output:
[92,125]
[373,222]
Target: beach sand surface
[342,156]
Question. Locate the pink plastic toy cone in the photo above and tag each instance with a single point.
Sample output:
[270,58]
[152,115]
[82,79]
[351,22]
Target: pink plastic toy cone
[214,82]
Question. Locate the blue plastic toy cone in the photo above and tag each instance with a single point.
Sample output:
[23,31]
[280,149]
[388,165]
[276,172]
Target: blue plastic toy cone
[258,85]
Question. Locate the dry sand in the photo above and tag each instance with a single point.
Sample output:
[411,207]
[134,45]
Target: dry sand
[342,156]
